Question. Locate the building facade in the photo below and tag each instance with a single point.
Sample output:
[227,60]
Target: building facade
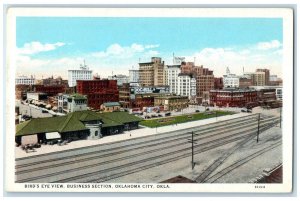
[120,79]
[152,73]
[172,77]
[232,97]
[187,86]
[267,75]
[51,90]
[259,79]
[77,103]
[230,80]
[172,102]
[24,80]
[134,75]
[245,82]
[79,74]
[218,83]
[98,91]
[54,81]
[204,79]
[110,107]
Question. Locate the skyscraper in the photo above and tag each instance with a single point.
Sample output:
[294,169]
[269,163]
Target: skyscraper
[79,74]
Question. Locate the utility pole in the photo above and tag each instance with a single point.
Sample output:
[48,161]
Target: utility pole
[280,117]
[193,150]
[192,141]
[258,121]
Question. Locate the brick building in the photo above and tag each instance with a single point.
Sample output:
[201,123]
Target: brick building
[218,83]
[54,81]
[21,91]
[204,79]
[98,91]
[232,97]
[172,102]
[51,90]
[143,100]
[124,95]
[245,82]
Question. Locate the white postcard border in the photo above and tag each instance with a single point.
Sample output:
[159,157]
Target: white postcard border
[285,14]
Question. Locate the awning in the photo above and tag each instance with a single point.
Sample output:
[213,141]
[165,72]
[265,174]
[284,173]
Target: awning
[52,135]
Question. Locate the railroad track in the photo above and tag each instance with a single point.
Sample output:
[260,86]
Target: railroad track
[90,148]
[240,162]
[86,157]
[185,150]
[210,169]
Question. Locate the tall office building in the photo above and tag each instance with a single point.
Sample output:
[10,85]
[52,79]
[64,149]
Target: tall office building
[172,77]
[79,74]
[267,75]
[259,79]
[186,85]
[134,75]
[204,79]
[152,73]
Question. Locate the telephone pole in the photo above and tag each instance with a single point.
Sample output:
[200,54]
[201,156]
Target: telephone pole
[280,117]
[193,142]
[258,121]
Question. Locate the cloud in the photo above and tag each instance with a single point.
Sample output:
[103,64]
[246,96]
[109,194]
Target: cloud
[236,58]
[274,44]
[116,50]
[36,47]
[151,46]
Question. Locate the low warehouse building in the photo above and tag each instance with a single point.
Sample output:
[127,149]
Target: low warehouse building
[77,125]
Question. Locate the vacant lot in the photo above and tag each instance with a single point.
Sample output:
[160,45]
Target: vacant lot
[182,119]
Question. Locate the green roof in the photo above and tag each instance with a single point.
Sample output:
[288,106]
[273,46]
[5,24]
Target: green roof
[40,125]
[73,122]
[111,104]
[121,117]
[77,97]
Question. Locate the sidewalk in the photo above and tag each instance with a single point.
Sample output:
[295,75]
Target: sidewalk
[142,131]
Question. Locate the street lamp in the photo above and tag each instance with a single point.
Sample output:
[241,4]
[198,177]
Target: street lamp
[193,142]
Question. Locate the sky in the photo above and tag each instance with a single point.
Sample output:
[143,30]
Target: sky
[49,46]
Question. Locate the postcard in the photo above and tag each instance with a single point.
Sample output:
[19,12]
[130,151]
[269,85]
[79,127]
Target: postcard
[149,100]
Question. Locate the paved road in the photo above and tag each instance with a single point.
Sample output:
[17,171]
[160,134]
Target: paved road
[109,161]
[32,111]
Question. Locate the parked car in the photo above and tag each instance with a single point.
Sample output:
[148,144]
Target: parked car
[168,114]
[243,110]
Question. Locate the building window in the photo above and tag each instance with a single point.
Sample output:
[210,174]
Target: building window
[96,133]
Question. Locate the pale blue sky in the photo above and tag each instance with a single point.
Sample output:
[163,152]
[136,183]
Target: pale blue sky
[117,43]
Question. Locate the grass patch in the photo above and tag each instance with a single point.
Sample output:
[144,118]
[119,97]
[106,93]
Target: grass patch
[153,123]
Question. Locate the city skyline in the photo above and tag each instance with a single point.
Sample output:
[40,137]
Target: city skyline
[114,45]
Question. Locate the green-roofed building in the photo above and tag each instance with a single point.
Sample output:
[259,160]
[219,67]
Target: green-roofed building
[110,107]
[77,102]
[78,125]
